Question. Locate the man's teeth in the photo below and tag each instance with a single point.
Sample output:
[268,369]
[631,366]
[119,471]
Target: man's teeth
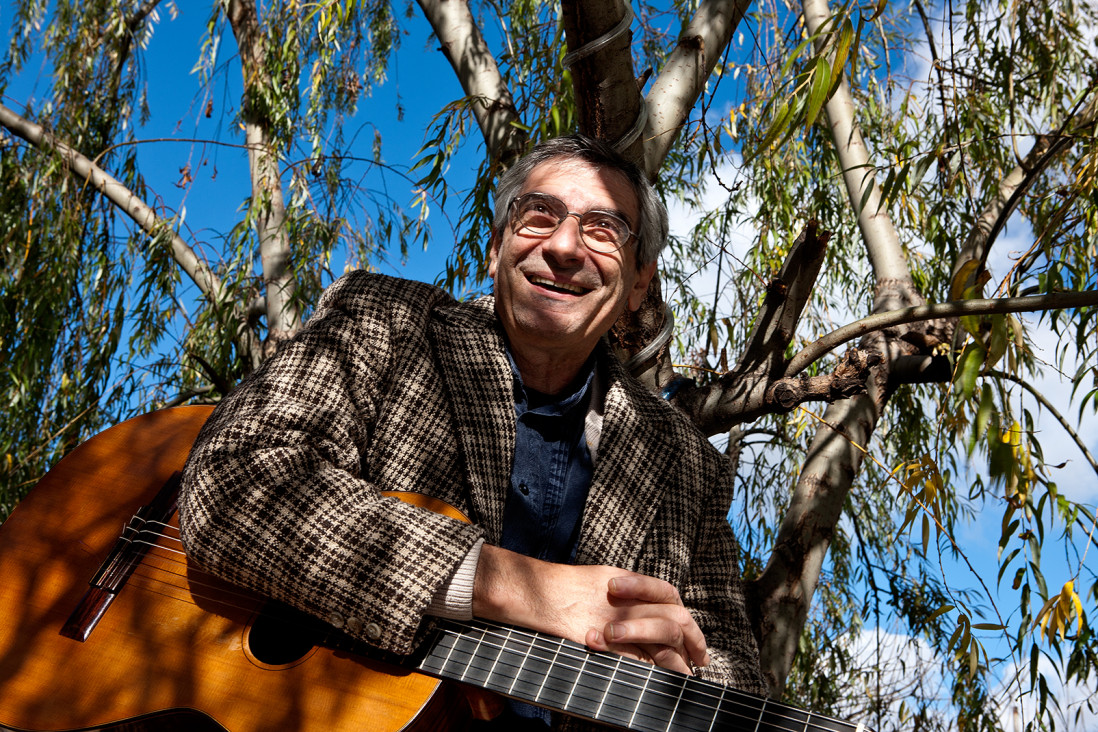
[576,289]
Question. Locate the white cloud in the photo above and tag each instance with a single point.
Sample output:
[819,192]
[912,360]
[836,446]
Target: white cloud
[1018,705]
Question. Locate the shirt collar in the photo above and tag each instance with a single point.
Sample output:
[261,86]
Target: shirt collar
[571,397]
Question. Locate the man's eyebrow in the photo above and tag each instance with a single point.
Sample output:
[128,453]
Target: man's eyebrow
[601,209]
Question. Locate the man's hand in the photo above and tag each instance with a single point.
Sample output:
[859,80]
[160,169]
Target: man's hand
[606,608]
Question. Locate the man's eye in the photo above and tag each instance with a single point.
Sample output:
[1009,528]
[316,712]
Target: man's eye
[539,210]
[539,217]
[604,228]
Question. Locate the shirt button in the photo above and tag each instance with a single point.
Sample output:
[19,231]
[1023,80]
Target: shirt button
[354,625]
[335,620]
[373,631]
[523,489]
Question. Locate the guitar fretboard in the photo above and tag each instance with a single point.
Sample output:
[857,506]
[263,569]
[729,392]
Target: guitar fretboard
[604,687]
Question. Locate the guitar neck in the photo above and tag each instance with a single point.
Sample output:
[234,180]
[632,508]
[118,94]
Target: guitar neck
[604,687]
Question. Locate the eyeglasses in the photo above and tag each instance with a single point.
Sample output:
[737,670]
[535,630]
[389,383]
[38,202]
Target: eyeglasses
[539,214]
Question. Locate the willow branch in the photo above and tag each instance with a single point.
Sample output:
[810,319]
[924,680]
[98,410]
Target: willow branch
[683,78]
[476,69]
[141,213]
[268,204]
[955,308]
[1052,410]
[1014,185]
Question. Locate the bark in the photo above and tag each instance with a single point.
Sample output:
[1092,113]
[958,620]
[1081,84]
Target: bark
[480,78]
[268,206]
[611,107]
[143,215]
[608,100]
[683,78]
[782,594]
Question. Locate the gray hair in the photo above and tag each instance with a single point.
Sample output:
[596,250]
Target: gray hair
[652,227]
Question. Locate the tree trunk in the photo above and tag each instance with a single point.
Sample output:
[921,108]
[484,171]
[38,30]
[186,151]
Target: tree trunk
[269,209]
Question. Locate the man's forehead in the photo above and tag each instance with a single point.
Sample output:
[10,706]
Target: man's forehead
[560,174]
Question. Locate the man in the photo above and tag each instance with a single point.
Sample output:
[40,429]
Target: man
[598,511]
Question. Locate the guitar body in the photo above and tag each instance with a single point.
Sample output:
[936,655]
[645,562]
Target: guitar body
[174,640]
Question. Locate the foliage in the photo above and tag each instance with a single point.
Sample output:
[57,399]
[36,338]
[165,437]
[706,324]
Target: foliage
[970,450]
[97,321]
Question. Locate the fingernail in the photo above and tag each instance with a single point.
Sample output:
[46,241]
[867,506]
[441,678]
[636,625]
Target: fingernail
[615,631]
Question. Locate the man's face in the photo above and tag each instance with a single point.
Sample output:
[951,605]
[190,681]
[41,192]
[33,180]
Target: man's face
[552,292]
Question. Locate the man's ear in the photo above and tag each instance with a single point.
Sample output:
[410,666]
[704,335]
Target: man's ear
[493,255]
[640,286]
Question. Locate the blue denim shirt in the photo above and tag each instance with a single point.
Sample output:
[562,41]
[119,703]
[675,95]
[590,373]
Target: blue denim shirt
[552,470]
[549,482]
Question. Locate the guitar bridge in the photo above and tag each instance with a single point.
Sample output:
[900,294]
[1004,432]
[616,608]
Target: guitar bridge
[116,569]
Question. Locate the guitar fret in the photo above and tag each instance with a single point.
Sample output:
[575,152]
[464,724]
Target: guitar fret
[572,691]
[678,700]
[495,661]
[518,673]
[717,709]
[607,688]
[472,654]
[606,692]
[647,679]
[552,663]
[761,713]
[440,667]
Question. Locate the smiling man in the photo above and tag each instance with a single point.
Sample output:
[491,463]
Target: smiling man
[598,511]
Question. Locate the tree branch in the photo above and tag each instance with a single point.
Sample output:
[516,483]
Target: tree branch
[953,309]
[786,297]
[1011,189]
[608,102]
[144,216]
[879,233]
[476,69]
[736,399]
[283,315]
[684,76]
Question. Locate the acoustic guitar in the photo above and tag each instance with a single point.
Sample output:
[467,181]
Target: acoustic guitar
[105,623]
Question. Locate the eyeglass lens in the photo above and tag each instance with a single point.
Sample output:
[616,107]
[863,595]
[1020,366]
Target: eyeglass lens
[541,214]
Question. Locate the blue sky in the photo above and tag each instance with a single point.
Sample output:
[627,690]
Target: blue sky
[419,75]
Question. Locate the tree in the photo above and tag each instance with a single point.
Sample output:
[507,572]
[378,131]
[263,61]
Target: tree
[869,191]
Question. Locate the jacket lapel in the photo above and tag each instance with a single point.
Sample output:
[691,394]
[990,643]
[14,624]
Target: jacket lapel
[469,347]
[633,460]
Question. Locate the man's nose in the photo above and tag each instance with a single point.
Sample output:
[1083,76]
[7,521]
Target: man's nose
[566,243]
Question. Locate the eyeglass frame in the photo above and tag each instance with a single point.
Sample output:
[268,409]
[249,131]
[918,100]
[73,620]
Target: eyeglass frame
[516,228]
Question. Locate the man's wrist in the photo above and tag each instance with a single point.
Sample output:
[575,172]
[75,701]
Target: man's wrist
[505,587]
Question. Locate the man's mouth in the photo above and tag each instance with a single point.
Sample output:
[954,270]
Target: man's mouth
[557,286]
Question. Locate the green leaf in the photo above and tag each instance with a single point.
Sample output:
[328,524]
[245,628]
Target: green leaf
[842,50]
[821,85]
[968,369]
[1000,339]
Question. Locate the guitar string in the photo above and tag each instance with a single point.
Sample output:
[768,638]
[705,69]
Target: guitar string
[670,678]
[713,710]
[638,669]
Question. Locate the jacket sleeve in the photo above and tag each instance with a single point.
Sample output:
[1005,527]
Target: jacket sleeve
[273,498]
[714,593]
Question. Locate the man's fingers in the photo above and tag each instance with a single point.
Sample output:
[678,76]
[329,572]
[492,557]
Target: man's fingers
[643,589]
[673,627]
[662,656]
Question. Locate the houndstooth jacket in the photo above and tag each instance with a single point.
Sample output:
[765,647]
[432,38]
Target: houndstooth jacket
[394,386]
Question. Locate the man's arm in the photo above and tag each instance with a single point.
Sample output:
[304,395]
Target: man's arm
[606,608]
[273,495]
